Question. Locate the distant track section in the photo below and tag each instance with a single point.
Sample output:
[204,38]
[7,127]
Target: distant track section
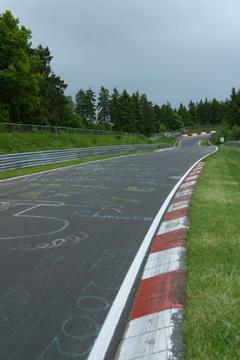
[22,160]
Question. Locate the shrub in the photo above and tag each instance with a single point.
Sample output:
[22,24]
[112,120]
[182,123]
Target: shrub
[234,133]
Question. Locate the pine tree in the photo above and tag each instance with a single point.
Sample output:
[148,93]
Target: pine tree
[53,101]
[137,124]
[114,108]
[234,108]
[85,106]
[91,102]
[103,107]
[70,118]
[124,112]
[148,116]
[167,116]
[192,112]
[184,113]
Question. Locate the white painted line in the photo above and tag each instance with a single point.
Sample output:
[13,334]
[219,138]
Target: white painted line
[178,206]
[107,331]
[173,225]
[179,143]
[184,193]
[172,260]
[152,322]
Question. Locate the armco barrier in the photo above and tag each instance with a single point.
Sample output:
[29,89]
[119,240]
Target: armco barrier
[20,160]
[232,143]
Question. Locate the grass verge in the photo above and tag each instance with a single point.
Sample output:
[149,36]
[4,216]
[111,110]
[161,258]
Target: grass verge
[206,142]
[212,317]
[23,142]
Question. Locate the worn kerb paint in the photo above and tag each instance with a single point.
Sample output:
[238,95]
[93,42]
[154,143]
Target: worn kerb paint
[173,225]
[152,324]
[162,288]
[162,281]
[187,184]
[178,206]
[164,261]
[183,193]
[107,331]
[192,178]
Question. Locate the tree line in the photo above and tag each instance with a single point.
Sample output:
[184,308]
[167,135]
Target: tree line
[30,92]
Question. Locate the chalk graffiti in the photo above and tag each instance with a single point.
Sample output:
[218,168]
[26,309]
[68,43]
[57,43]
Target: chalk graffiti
[70,239]
[62,224]
[88,215]
[134,201]
[137,189]
[95,287]
[47,264]
[71,327]
[4,205]
[74,348]
[16,295]
[78,331]
[91,303]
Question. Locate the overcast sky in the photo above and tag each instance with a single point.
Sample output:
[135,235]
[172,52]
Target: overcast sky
[172,50]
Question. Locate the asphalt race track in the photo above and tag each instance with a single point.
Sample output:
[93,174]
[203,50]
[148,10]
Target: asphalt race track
[67,239]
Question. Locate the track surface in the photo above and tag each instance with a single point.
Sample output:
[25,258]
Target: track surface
[67,239]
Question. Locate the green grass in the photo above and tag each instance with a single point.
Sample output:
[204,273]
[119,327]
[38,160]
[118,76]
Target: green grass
[212,317]
[23,142]
[205,143]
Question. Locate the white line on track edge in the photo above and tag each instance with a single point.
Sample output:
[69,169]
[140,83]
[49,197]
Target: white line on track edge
[107,331]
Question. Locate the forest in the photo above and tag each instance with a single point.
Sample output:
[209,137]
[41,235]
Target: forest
[31,93]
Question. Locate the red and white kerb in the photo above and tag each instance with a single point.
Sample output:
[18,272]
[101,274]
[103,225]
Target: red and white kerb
[155,327]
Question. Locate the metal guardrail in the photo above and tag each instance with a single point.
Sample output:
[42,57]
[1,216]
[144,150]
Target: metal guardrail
[232,143]
[21,160]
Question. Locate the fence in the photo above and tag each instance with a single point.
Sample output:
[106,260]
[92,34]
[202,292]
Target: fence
[20,160]
[12,127]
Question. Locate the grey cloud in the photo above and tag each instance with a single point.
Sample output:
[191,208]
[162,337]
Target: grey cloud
[173,50]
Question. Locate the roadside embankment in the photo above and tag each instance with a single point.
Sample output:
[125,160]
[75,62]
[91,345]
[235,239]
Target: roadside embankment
[36,141]
[30,142]
[212,316]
